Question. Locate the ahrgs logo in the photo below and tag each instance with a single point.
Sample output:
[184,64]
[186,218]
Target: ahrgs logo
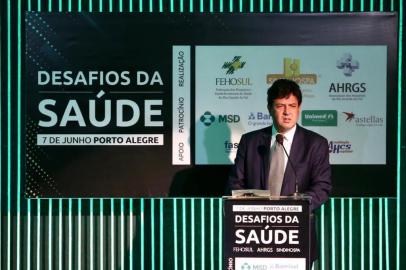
[208,118]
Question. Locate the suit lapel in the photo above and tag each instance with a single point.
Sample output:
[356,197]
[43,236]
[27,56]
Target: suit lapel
[288,185]
[265,146]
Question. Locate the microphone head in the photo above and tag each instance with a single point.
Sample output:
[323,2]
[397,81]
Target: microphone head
[279,138]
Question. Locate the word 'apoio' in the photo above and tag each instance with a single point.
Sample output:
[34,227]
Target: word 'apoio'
[73,113]
[69,77]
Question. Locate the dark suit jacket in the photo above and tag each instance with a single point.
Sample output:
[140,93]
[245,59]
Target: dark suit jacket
[309,154]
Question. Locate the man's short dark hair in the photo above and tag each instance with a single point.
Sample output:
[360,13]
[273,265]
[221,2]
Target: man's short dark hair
[283,88]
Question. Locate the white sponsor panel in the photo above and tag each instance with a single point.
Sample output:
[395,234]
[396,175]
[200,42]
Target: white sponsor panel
[181,106]
[267,208]
[231,96]
[270,263]
[99,139]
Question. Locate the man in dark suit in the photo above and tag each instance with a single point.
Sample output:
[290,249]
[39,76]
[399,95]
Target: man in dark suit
[309,153]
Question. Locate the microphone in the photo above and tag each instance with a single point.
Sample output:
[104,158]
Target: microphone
[279,139]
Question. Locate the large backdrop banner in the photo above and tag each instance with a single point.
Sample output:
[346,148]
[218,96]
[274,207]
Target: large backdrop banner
[140,105]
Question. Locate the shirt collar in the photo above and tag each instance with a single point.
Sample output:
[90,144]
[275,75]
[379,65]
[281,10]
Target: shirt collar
[287,135]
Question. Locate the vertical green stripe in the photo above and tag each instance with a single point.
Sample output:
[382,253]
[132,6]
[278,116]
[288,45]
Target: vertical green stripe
[381,6]
[350,225]
[29,7]
[202,239]
[343,236]
[172,8]
[371,228]
[112,234]
[50,234]
[38,234]
[80,5]
[184,225]
[271,6]
[321,5]
[18,240]
[290,5]
[110,10]
[151,7]
[60,6]
[362,235]
[130,253]
[312,6]
[371,5]
[152,233]
[322,248]
[333,235]
[101,236]
[351,5]
[220,228]
[280,5]
[140,5]
[60,234]
[399,136]
[142,225]
[28,233]
[121,6]
[175,235]
[122,232]
[79,262]
[362,6]
[91,232]
[261,9]
[131,5]
[212,233]
[70,5]
[100,5]
[201,6]
[380,249]
[387,254]
[9,145]
[191,5]
[251,6]
[161,234]
[301,6]
[90,10]
[70,235]
[192,231]
[181,5]
[230,5]
[342,5]
[211,6]
[331,6]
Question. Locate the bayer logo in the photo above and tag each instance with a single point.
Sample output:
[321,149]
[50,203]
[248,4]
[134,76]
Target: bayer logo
[207,119]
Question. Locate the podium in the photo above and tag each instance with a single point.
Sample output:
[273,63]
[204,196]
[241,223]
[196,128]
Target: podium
[266,233]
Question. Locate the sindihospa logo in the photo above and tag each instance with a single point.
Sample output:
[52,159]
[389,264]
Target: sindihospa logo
[234,65]
[363,120]
[327,118]
[291,70]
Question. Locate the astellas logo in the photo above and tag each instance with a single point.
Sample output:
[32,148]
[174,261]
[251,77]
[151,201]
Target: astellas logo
[340,147]
[208,118]
[363,120]
[291,70]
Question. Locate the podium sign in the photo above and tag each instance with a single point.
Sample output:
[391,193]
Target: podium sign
[266,234]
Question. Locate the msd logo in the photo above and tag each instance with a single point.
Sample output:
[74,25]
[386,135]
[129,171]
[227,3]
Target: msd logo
[208,118]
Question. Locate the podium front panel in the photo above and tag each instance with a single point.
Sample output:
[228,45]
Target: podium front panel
[266,234]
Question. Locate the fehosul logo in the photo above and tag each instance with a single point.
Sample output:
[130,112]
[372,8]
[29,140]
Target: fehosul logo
[291,70]
[234,65]
[364,120]
[326,118]
[207,119]
[347,64]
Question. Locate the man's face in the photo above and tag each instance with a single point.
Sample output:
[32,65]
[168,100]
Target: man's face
[285,113]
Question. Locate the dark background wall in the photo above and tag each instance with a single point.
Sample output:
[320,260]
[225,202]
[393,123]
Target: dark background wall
[170,233]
